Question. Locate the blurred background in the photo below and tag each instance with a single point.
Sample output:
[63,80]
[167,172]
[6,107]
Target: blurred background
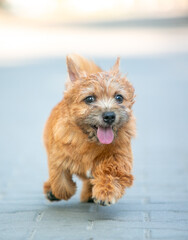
[52,28]
[151,37]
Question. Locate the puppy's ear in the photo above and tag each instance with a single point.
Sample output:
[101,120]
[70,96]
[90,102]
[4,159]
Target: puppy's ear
[115,68]
[73,69]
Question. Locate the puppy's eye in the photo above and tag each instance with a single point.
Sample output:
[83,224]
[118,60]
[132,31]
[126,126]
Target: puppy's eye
[89,99]
[119,98]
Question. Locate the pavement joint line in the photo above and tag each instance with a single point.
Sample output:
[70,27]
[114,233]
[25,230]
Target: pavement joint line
[90,225]
[39,216]
[146,217]
[32,234]
[147,234]
[92,208]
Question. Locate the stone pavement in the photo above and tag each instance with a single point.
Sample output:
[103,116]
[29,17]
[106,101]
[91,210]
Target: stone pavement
[156,207]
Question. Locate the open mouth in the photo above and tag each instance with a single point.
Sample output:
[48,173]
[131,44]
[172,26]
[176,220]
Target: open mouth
[105,135]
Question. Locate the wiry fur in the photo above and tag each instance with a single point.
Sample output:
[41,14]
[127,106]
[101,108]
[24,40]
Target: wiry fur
[71,140]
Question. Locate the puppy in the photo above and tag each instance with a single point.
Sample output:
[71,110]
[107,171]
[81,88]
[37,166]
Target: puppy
[89,134]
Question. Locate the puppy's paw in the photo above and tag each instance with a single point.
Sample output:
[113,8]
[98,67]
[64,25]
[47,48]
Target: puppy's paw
[105,202]
[106,194]
[51,197]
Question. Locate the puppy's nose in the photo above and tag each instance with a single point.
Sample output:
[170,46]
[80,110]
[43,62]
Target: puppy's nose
[109,117]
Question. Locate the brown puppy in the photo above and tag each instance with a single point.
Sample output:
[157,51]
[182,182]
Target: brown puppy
[89,134]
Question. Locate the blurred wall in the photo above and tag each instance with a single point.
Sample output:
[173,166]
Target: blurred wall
[97,10]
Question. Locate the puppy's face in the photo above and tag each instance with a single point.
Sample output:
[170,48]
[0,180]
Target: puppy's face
[100,104]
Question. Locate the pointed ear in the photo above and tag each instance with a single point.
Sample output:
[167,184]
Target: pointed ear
[73,69]
[115,68]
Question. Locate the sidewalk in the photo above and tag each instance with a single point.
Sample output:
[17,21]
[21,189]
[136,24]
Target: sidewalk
[156,207]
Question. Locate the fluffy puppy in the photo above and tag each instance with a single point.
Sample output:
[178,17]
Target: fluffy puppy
[89,134]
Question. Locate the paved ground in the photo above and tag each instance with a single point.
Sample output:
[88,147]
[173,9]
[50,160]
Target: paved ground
[156,207]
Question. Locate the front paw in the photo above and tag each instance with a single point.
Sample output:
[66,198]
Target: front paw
[51,197]
[104,202]
[104,197]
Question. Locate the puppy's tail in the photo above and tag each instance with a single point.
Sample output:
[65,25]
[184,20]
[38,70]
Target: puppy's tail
[84,65]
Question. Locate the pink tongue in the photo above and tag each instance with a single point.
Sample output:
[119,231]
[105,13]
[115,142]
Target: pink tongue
[105,135]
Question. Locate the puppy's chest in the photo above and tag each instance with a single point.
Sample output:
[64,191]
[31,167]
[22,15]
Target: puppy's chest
[81,165]
[83,162]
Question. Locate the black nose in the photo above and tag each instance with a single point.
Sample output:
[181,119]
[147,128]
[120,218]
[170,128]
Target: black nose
[109,117]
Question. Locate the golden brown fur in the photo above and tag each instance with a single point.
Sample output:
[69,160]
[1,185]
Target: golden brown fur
[71,141]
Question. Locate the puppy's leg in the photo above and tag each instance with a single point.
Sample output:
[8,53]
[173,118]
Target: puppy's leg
[60,185]
[86,194]
[111,177]
[46,187]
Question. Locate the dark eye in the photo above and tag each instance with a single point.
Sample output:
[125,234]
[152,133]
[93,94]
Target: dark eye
[119,98]
[89,99]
